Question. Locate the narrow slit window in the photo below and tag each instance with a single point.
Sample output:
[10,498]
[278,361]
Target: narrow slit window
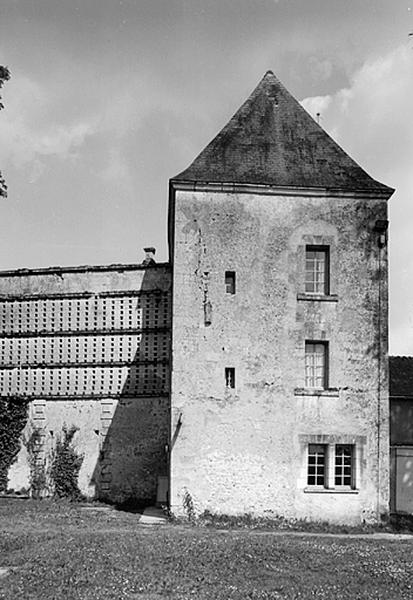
[317,270]
[316,365]
[230,377]
[317,465]
[230,282]
[344,466]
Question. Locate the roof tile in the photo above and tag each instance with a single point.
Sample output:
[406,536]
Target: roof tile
[272,140]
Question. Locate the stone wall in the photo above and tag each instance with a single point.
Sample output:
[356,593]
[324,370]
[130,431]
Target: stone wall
[89,347]
[244,450]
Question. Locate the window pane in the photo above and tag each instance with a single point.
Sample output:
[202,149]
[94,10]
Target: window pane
[316,464]
[230,377]
[315,365]
[344,470]
[230,282]
[316,270]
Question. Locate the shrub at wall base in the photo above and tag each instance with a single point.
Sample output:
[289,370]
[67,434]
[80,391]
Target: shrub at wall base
[65,466]
[13,418]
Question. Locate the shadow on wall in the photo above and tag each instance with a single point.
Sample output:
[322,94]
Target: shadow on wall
[134,428]
[401,421]
[372,228]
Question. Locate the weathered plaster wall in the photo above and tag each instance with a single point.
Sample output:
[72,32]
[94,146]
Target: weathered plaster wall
[122,443]
[245,450]
[57,280]
[89,346]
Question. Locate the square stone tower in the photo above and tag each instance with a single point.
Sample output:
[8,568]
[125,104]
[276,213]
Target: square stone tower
[279,387]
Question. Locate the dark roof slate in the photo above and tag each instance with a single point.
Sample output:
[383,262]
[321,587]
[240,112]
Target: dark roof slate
[401,375]
[272,140]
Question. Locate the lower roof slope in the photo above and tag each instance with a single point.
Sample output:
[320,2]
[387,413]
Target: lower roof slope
[272,140]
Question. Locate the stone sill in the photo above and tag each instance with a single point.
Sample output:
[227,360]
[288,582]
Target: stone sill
[317,490]
[318,297]
[330,392]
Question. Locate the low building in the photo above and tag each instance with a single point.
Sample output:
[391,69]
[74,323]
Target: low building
[89,347]
[401,434]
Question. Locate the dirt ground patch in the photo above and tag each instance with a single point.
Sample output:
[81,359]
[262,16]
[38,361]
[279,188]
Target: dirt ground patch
[59,551]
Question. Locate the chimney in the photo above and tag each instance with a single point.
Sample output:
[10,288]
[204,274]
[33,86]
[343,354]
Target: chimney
[149,256]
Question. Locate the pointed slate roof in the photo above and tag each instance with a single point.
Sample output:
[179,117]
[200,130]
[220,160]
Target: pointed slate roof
[272,140]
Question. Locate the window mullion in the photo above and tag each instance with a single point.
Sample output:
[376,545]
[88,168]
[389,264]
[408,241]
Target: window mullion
[354,470]
[330,466]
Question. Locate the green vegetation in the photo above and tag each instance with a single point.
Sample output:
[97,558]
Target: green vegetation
[65,466]
[4,76]
[189,508]
[13,418]
[276,523]
[62,550]
[37,464]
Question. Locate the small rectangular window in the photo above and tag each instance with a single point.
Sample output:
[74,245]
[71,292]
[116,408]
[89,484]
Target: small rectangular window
[344,466]
[317,276]
[230,377]
[316,365]
[317,465]
[230,282]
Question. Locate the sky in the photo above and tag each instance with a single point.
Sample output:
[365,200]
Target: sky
[109,99]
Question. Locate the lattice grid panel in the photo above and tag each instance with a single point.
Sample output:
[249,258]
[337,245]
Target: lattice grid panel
[128,348]
[84,314]
[77,346]
[89,381]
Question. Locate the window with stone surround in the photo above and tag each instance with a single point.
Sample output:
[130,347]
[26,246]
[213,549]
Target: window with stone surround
[331,467]
[317,267]
[316,365]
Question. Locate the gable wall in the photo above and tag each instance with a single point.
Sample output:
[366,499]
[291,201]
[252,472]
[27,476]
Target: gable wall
[245,450]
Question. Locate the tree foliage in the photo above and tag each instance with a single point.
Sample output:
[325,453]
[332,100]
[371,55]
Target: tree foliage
[4,76]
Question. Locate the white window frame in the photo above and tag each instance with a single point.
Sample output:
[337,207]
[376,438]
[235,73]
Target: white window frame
[317,270]
[315,362]
[330,465]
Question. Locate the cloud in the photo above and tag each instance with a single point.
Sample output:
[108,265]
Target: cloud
[317,104]
[35,127]
[371,120]
[320,68]
[55,121]
[116,170]
[27,137]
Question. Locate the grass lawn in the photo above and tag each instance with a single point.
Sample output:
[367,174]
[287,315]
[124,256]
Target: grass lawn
[66,551]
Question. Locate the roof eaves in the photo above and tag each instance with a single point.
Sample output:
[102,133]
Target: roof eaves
[82,269]
[383,191]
